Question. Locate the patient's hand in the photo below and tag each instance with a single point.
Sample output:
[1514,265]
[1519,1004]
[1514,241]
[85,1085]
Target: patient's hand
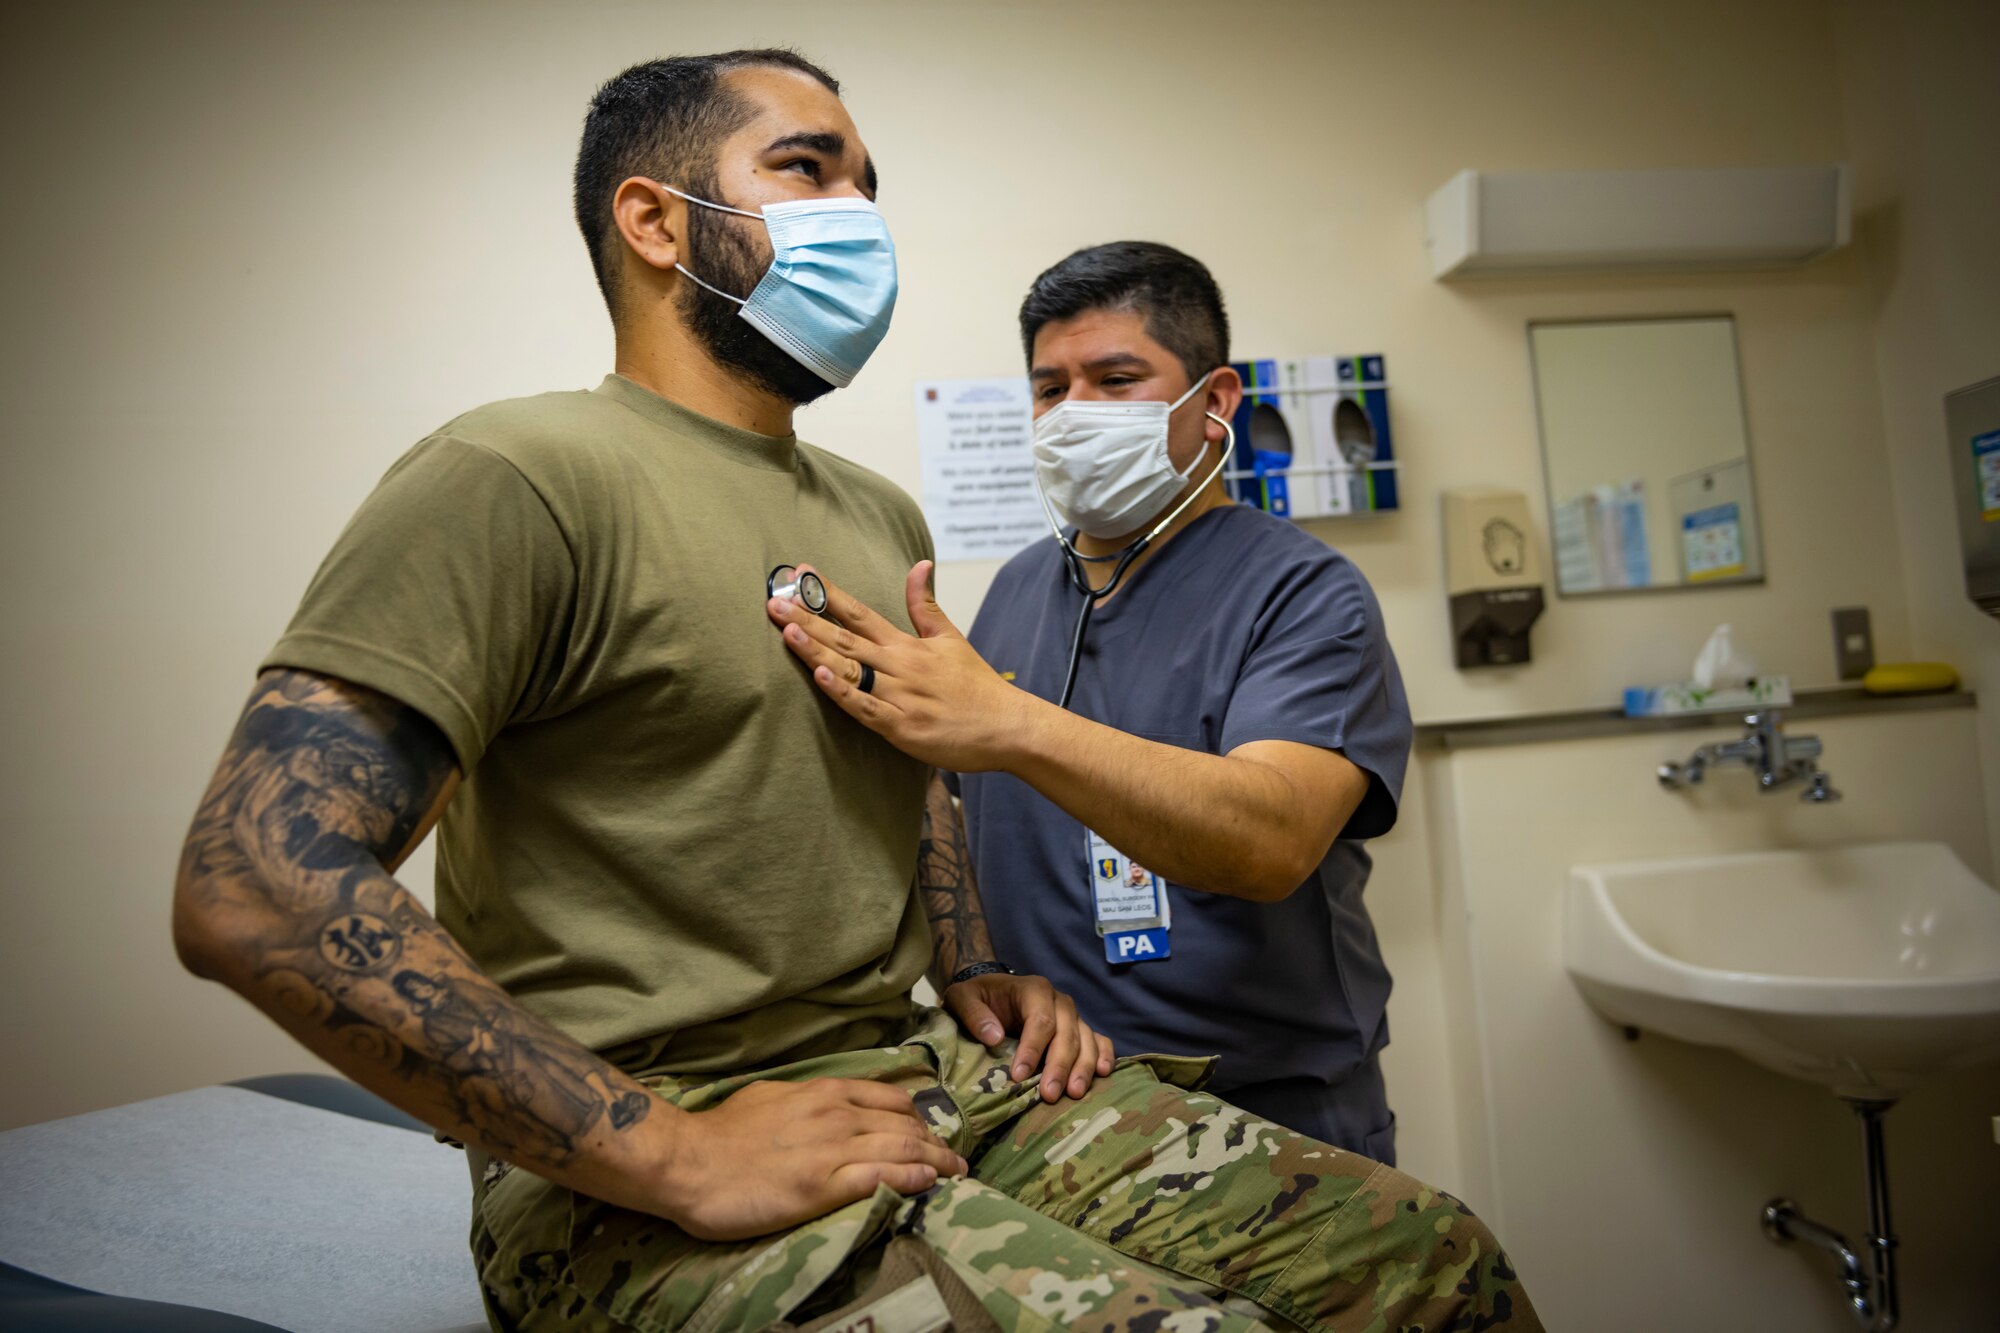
[777,1154]
[993,1006]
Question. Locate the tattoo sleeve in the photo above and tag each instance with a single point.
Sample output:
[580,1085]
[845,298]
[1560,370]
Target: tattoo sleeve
[951,898]
[285,876]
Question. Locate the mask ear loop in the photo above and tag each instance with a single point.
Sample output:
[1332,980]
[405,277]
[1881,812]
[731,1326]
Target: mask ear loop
[1228,448]
[707,203]
[740,300]
[720,208]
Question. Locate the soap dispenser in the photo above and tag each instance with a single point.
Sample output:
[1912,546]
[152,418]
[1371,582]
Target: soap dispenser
[1492,576]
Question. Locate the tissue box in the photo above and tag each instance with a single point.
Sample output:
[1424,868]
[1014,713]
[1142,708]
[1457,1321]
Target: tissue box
[1667,700]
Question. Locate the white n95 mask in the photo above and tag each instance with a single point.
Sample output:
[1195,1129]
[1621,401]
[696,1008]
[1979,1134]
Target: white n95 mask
[1104,466]
[827,297]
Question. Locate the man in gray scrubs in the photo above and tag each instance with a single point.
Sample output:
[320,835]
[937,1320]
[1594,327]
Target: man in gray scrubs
[1181,848]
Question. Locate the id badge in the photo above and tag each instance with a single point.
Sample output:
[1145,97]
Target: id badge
[1133,913]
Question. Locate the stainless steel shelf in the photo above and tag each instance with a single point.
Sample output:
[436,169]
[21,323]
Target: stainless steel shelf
[1581,724]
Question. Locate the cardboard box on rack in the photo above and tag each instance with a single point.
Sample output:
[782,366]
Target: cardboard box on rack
[1359,422]
[1260,420]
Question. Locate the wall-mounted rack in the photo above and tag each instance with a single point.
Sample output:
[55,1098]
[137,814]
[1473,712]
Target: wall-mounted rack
[1313,438]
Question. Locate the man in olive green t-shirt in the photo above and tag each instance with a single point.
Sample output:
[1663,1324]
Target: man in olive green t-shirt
[548,626]
[646,798]
[681,898]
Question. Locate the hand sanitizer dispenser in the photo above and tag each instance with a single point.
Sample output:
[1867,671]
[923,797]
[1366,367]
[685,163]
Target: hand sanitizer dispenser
[1492,576]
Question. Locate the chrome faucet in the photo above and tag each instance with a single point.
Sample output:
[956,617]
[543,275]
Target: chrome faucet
[1778,760]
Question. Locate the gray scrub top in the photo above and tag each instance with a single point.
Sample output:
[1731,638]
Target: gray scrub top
[1242,628]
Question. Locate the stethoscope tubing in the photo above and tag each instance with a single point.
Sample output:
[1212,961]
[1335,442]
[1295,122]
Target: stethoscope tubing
[1082,584]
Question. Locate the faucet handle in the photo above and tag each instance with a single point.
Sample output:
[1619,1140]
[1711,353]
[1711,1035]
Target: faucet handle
[1821,792]
[1676,777]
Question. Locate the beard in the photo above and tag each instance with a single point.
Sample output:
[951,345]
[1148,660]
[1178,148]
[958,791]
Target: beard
[724,257]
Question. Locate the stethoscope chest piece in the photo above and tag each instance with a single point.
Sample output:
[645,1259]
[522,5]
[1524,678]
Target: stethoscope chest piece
[806,589]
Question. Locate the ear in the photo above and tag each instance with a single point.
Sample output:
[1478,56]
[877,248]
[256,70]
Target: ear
[652,221]
[1222,397]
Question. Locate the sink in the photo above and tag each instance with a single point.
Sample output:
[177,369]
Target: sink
[1863,968]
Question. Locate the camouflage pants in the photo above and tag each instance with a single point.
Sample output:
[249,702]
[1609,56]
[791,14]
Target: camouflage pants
[1142,1206]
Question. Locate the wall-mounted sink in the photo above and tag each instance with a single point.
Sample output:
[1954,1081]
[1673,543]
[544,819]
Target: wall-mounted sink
[1863,968]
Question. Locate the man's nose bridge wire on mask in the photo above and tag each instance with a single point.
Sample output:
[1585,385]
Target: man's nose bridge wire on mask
[1073,560]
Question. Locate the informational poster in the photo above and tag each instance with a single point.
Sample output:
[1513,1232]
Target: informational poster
[979,470]
[1986,463]
[1712,543]
[1714,523]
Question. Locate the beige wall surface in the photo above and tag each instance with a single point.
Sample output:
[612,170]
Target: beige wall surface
[1917,81]
[253,251]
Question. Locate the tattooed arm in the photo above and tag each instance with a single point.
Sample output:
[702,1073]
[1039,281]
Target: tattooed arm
[951,898]
[993,1005]
[285,894]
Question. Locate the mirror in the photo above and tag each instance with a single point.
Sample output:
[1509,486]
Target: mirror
[1646,454]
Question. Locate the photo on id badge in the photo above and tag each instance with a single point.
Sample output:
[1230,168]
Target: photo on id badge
[1130,903]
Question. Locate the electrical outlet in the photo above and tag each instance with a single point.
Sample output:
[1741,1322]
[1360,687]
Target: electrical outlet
[1853,642]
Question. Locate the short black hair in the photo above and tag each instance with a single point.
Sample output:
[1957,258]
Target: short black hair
[1174,293]
[662,119]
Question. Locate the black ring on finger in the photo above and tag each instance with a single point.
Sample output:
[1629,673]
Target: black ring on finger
[867,682]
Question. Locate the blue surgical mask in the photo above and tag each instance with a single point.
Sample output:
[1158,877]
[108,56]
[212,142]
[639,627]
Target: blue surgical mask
[831,287]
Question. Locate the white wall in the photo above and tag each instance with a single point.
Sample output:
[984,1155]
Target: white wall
[253,251]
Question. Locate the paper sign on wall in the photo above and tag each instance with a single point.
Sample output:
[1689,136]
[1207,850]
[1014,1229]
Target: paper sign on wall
[979,471]
[1712,543]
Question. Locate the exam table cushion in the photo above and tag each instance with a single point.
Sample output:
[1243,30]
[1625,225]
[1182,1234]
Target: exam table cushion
[296,1202]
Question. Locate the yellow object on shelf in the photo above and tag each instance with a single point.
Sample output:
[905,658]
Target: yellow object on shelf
[1910,678]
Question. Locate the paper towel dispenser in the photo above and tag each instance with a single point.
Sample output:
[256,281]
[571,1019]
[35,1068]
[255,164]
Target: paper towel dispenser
[1972,420]
[1492,576]
[1482,222]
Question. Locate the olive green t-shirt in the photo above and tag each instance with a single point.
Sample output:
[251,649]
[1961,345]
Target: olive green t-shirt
[669,843]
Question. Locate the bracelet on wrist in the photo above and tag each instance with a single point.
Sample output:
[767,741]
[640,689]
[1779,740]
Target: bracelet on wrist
[972,970]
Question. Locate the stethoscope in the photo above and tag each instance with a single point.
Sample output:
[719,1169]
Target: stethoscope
[1074,560]
[785,581]
[805,588]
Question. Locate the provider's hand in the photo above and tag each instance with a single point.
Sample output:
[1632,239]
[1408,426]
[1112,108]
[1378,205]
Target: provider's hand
[935,699]
[996,1004]
[777,1154]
